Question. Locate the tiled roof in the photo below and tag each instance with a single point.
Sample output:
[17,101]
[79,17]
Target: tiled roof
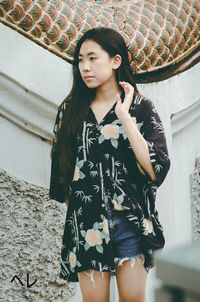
[158,33]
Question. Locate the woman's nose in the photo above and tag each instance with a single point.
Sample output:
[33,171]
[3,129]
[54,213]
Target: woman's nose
[86,66]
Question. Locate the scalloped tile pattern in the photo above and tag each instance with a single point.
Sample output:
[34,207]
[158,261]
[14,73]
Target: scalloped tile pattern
[158,33]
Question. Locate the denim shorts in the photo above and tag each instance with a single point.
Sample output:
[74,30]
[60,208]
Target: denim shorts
[124,238]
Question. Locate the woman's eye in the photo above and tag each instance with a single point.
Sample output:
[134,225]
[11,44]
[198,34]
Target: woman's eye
[92,58]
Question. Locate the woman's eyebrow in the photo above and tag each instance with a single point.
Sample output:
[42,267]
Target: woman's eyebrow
[90,53]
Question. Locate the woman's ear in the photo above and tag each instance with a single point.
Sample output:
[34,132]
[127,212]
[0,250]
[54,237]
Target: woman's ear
[117,61]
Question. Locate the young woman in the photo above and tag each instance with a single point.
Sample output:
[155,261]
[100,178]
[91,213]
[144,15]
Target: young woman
[109,156]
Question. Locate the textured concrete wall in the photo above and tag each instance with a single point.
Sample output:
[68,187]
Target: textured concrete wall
[31,228]
[196,200]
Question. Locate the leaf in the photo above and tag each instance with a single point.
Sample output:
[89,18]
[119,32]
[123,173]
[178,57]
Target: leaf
[80,163]
[145,232]
[103,235]
[114,142]
[101,139]
[115,196]
[81,175]
[78,263]
[103,217]
[120,198]
[99,248]
[83,233]
[86,246]
[96,225]
[107,239]
[115,122]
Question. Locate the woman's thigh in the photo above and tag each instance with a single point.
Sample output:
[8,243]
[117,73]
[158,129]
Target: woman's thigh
[94,285]
[131,280]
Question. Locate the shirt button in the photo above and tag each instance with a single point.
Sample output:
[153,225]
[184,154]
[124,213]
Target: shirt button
[103,205]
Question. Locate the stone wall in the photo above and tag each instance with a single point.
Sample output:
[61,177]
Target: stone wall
[31,236]
[195,179]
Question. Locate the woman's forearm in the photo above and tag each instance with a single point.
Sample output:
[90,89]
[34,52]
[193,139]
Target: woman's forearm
[138,144]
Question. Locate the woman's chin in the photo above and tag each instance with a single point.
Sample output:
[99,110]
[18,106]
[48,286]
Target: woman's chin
[91,85]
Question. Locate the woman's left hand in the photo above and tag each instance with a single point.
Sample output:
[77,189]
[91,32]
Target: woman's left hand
[122,109]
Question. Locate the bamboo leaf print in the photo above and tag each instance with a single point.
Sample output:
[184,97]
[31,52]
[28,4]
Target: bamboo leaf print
[80,148]
[81,225]
[90,164]
[84,138]
[87,198]
[117,163]
[93,173]
[93,262]
[79,212]
[158,167]
[82,196]
[157,125]
[107,155]
[96,188]
[138,99]
[108,172]
[79,193]
[90,141]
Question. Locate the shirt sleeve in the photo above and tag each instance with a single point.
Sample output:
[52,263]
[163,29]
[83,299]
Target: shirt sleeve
[58,190]
[153,132]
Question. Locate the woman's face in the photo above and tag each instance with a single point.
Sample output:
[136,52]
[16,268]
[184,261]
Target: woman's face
[96,64]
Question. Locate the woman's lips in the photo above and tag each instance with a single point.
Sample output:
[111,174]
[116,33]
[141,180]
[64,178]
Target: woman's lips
[88,78]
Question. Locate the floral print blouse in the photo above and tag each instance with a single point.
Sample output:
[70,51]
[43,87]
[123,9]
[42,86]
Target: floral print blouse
[106,164]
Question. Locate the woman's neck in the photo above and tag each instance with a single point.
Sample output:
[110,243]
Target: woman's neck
[107,93]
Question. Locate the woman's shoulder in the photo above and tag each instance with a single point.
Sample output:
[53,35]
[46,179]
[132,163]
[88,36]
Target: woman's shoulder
[142,101]
[142,106]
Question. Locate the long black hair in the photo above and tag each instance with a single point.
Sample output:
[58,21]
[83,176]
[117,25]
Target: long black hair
[81,96]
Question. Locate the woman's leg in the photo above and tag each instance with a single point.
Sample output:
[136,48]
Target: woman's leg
[131,280]
[95,286]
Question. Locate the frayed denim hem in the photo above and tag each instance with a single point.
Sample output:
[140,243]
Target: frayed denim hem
[119,261]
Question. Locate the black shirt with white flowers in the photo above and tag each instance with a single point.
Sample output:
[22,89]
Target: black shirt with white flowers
[105,164]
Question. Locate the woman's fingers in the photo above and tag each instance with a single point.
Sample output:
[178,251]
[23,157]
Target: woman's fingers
[128,89]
